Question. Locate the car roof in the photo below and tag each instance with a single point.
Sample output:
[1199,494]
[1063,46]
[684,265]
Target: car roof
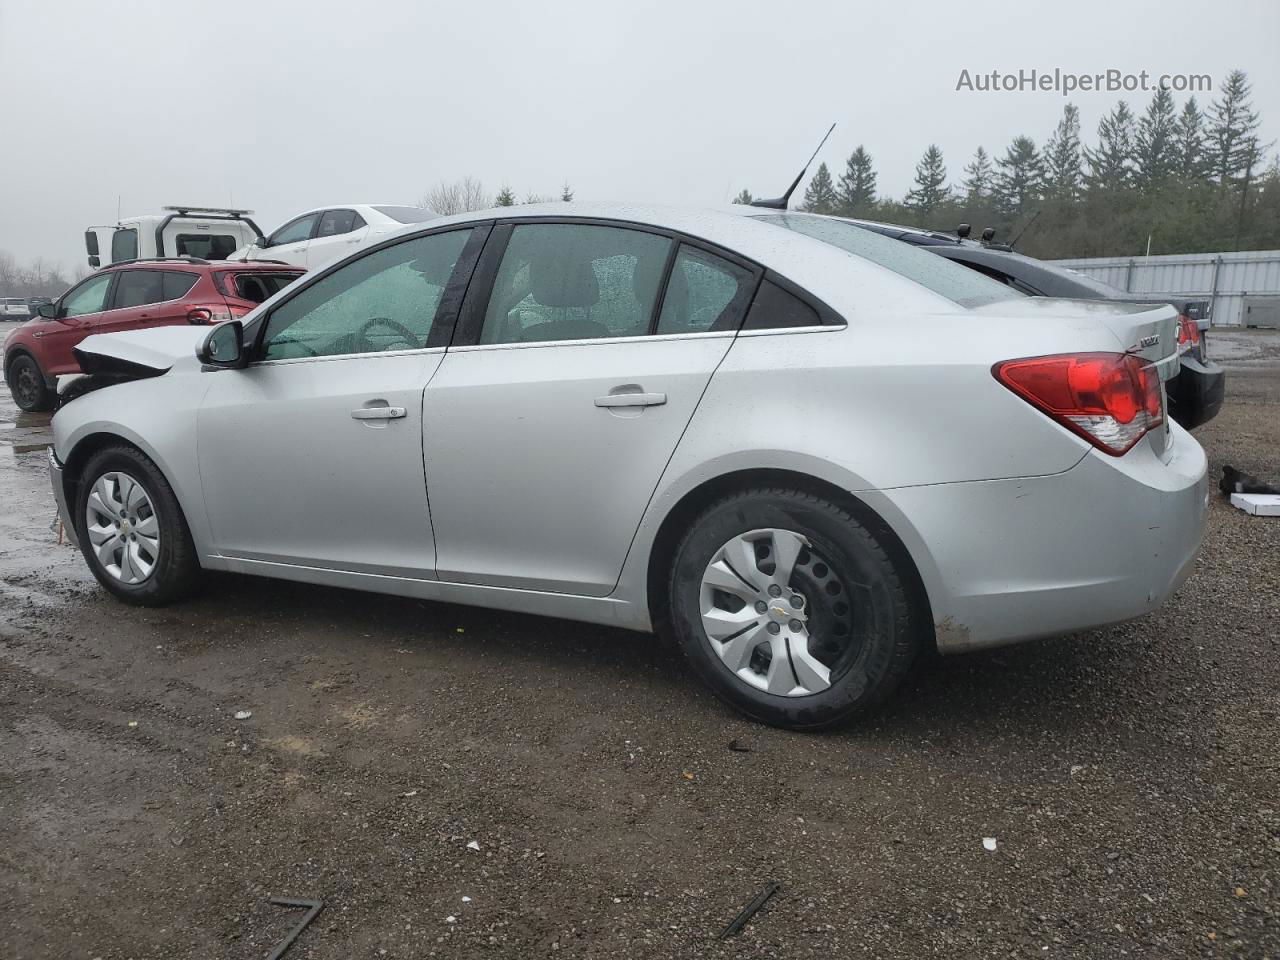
[187,263]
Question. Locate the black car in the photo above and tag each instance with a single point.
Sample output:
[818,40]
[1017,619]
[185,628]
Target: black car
[1195,394]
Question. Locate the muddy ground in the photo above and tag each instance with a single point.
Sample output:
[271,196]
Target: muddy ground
[1130,776]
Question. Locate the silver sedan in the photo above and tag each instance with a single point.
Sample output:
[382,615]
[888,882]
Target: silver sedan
[805,451]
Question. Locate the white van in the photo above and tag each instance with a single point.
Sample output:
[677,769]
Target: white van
[208,233]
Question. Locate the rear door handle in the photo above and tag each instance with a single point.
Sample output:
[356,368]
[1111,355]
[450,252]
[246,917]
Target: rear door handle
[378,413]
[632,400]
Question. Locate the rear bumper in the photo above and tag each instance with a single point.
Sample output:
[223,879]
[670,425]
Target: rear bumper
[60,496]
[1197,392]
[1106,541]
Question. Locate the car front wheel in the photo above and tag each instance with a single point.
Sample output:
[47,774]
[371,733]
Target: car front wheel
[790,609]
[131,529]
[26,384]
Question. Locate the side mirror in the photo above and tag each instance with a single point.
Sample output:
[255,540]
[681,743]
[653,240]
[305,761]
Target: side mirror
[224,346]
[260,242]
[91,245]
[94,261]
[47,311]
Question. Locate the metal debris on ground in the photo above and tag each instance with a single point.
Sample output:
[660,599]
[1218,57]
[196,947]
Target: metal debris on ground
[243,714]
[737,746]
[313,909]
[750,910]
[473,845]
[989,843]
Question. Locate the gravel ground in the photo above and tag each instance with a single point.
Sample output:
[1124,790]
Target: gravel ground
[1130,776]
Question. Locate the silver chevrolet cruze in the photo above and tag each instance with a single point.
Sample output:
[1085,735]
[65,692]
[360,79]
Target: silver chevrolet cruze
[803,450]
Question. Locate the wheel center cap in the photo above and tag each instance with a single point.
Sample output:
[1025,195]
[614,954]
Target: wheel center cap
[780,612]
[125,527]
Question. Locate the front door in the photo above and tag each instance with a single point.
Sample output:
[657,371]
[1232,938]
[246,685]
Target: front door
[545,440]
[312,455]
[79,310]
[290,242]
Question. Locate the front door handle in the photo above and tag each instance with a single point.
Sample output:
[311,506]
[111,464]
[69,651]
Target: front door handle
[632,400]
[378,413]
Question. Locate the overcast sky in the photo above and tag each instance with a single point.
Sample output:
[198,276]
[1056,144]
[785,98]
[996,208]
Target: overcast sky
[284,106]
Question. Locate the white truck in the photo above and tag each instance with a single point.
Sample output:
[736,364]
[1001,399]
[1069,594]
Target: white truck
[208,233]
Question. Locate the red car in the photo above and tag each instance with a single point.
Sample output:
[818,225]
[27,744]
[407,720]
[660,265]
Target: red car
[131,295]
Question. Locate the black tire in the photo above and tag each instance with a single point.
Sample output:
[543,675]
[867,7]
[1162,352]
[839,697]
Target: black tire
[880,633]
[27,384]
[176,568]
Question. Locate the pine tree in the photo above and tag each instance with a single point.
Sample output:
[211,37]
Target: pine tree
[1233,148]
[1020,178]
[744,198]
[931,190]
[1154,155]
[856,191]
[820,195]
[1063,175]
[566,194]
[505,198]
[979,176]
[1111,163]
[1189,143]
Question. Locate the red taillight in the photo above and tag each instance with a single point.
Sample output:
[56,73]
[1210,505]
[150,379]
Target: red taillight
[212,313]
[1110,399]
[1188,332]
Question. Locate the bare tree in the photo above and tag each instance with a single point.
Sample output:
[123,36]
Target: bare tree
[457,196]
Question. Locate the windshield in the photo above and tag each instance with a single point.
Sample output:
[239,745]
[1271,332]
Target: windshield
[408,214]
[958,284]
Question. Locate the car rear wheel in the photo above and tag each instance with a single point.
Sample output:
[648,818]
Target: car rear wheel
[131,529]
[26,384]
[790,610]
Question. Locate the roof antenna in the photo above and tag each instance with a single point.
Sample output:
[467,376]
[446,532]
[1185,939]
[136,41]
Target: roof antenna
[1014,241]
[780,203]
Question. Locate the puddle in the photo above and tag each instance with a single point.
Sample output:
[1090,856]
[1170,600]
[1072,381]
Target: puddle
[16,449]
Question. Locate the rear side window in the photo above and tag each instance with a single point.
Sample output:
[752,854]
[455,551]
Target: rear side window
[335,222]
[565,281]
[935,273]
[124,245]
[257,287]
[775,308]
[136,288]
[178,285]
[706,293]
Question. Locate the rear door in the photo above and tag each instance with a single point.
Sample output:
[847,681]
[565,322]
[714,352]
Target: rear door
[576,370]
[338,233]
[132,301]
